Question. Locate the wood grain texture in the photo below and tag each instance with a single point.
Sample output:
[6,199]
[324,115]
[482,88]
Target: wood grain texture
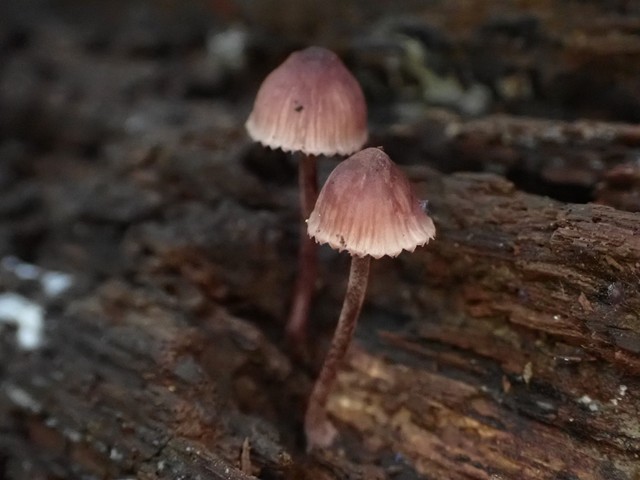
[509,348]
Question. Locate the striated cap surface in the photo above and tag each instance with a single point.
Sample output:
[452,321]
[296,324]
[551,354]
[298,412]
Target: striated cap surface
[367,207]
[311,103]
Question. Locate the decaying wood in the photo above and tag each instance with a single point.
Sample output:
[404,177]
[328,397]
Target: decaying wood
[123,396]
[536,304]
[582,160]
[508,348]
[514,283]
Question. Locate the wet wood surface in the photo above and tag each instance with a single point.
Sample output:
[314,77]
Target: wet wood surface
[508,348]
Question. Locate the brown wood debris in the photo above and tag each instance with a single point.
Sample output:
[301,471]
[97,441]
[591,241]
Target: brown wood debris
[508,348]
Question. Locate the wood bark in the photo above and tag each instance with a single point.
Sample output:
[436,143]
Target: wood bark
[583,160]
[517,356]
[508,348]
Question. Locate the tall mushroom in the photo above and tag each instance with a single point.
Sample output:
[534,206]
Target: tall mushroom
[311,104]
[366,207]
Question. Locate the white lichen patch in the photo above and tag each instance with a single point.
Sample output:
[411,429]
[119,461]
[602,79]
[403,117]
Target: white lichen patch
[27,316]
[22,398]
[588,402]
[228,48]
[622,391]
[53,283]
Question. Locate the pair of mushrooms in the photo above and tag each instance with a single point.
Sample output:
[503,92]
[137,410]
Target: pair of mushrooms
[312,104]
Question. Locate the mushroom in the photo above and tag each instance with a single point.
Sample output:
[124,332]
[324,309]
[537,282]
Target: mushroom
[311,104]
[366,207]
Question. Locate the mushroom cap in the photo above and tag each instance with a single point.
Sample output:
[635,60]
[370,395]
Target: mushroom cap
[367,207]
[311,103]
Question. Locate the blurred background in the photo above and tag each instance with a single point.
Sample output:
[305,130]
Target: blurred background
[80,72]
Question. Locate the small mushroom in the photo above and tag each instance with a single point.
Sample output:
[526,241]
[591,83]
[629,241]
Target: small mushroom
[311,104]
[366,207]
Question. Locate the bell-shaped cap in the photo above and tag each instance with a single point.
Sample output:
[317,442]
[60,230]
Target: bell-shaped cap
[311,104]
[367,207]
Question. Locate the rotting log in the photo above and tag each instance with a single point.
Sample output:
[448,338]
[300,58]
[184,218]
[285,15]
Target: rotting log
[508,348]
[115,393]
[530,312]
[582,160]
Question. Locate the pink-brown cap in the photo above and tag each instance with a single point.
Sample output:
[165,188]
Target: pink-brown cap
[312,104]
[367,207]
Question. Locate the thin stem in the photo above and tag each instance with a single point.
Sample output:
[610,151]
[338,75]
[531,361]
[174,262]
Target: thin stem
[320,432]
[307,258]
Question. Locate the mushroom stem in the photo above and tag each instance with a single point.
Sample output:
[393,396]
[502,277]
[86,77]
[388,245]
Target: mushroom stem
[319,430]
[307,258]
